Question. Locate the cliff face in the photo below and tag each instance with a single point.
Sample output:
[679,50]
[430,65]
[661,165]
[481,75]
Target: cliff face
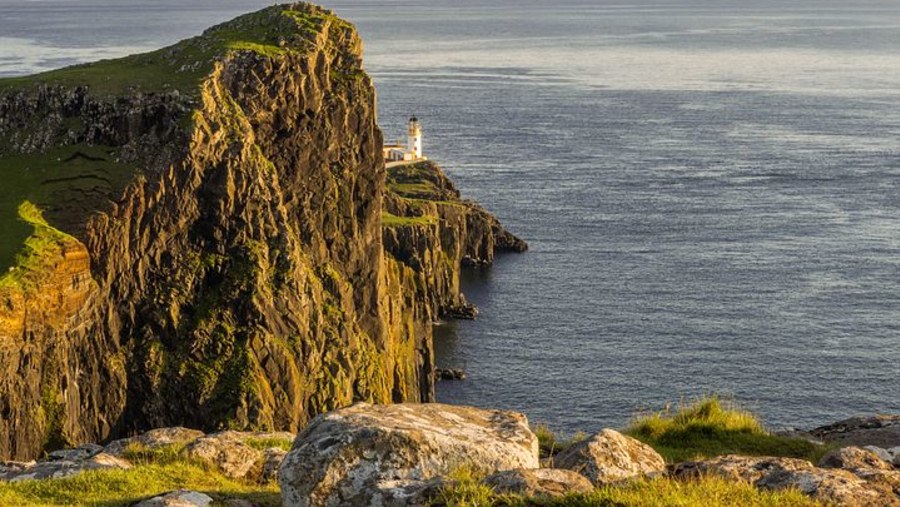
[213,254]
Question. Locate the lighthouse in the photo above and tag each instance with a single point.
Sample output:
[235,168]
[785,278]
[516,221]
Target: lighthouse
[414,139]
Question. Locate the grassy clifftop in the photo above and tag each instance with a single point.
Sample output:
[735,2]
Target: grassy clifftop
[59,148]
[274,31]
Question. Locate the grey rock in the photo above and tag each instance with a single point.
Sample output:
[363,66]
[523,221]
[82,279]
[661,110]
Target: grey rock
[228,453]
[369,454]
[609,457]
[60,468]
[827,485]
[82,452]
[152,439]
[545,482]
[880,430]
[272,459]
[852,458]
[180,498]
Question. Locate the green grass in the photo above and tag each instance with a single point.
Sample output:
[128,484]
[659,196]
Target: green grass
[107,488]
[468,491]
[66,183]
[389,220]
[711,427]
[71,182]
[270,32]
[550,443]
[44,244]
[266,443]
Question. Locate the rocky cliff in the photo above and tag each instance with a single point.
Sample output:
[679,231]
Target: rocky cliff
[207,236]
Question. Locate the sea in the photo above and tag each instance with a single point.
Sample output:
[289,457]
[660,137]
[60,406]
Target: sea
[710,188]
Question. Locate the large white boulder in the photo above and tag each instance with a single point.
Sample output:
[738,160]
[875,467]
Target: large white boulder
[364,454]
[610,457]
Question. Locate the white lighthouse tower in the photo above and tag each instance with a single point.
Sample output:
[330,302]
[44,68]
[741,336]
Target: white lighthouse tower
[414,139]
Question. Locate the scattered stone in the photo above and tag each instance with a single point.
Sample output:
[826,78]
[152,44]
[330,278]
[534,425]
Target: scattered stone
[154,439]
[180,498]
[272,459]
[830,486]
[546,482]
[880,430]
[55,469]
[449,374]
[609,457]
[852,458]
[884,454]
[792,432]
[227,453]
[368,455]
[82,452]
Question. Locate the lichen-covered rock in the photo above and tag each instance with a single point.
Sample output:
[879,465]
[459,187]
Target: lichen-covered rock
[548,482]
[154,439]
[831,486]
[609,457]
[362,455]
[80,453]
[180,498]
[850,458]
[272,459]
[58,468]
[227,453]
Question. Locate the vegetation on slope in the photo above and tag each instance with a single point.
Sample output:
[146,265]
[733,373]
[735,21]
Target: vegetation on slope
[70,181]
[469,491]
[182,66]
[156,471]
[711,427]
[44,242]
[72,177]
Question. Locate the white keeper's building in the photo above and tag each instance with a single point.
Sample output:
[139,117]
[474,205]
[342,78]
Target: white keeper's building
[412,150]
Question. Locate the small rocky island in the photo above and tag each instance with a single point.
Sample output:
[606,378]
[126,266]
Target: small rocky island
[214,291]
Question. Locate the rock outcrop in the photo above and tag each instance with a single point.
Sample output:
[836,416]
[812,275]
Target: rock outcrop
[539,482]
[219,245]
[383,455]
[828,485]
[610,457]
[235,454]
[878,430]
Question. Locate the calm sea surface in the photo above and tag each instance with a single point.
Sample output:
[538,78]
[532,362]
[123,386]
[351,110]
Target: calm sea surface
[709,188]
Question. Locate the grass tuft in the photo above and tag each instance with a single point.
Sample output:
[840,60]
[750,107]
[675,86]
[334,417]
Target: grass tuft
[712,426]
[108,488]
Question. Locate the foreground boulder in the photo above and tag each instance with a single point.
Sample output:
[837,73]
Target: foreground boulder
[830,486]
[540,482]
[378,455]
[609,457]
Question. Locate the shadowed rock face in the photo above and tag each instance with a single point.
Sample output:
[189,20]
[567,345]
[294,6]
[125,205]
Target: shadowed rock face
[236,276]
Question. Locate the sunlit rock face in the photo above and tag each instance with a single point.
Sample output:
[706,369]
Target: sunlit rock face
[213,254]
